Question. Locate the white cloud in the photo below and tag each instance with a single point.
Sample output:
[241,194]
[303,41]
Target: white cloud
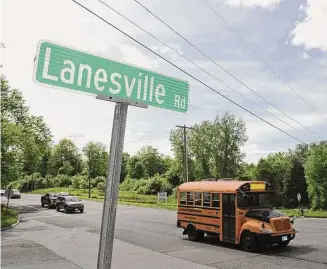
[83,118]
[253,3]
[134,56]
[305,56]
[311,32]
[66,23]
[254,152]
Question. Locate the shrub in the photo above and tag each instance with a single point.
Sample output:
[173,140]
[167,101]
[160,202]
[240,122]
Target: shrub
[63,181]
[14,185]
[80,182]
[39,183]
[100,186]
[140,185]
[174,193]
[99,179]
[154,185]
[128,184]
[49,182]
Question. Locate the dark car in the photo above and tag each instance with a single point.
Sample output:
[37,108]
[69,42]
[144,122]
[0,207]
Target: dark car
[69,204]
[49,199]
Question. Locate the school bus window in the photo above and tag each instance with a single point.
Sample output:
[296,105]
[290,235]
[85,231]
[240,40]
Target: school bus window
[206,199]
[182,199]
[190,198]
[215,200]
[198,200]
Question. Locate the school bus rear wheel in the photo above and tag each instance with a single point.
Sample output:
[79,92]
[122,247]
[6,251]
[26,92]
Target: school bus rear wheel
[249,242]
[194,234]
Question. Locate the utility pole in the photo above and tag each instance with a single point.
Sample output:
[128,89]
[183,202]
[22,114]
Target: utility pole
[185,150]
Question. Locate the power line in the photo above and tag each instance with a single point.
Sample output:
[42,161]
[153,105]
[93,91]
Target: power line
[208,73]
[147,137]
[221,67]
[185,72]
[262,60]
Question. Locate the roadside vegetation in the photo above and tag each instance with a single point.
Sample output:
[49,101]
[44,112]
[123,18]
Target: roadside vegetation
[130,198]
[8,216]
[31,163]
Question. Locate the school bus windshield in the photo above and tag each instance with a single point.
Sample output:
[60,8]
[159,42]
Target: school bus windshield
[255,199]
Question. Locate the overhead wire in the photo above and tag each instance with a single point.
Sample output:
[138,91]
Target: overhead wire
[262,60]
[201,68]
[225,70]
[184,71]
[148,137]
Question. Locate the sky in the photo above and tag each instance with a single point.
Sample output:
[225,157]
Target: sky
[262,38]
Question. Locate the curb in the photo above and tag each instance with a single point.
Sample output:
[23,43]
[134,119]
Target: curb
[12,226]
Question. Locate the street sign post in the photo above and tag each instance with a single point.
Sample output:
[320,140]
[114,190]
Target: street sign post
[66,68]
[8,193]
[299,200]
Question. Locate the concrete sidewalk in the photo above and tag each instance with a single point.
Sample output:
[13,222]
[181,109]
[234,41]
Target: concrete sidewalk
[32,244]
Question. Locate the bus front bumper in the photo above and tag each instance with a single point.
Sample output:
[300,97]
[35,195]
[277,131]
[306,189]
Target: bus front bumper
[265,239]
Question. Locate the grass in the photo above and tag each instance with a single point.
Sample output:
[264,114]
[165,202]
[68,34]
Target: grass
[130,198]
[8,216]
[307,213]
[126,198]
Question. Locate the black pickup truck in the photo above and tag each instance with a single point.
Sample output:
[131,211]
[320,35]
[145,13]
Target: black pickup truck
[49,199]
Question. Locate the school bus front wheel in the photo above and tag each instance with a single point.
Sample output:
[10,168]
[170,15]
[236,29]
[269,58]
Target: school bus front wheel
[249,241]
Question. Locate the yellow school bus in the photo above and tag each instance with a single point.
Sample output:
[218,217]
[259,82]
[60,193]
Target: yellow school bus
[237,212]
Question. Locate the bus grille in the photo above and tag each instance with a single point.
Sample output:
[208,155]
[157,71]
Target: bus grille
[282,225]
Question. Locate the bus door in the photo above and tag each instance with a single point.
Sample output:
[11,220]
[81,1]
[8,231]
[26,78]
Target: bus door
[229,219]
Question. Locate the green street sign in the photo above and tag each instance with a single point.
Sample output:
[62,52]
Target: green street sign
[64,67]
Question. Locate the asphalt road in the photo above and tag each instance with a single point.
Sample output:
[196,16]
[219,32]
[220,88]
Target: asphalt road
[144,238]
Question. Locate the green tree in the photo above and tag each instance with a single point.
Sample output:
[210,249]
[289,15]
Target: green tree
[135,168]
[296,183]
[173,174]
[97,158]
[152,161]
[229,134]
[213,147]
[316,175]
[124,168]
[25,139]
[275,169]
[200,142]
[247,171]
[65,152]
[66,169]
[177,145]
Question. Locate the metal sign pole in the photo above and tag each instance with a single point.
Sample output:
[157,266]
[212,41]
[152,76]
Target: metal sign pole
[112,184]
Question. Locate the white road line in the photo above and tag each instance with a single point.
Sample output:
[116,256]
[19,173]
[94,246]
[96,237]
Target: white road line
[59,215]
